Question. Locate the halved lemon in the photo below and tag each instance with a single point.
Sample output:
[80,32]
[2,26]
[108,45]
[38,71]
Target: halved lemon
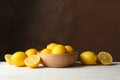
[105,58]
[32,61]
[8,58]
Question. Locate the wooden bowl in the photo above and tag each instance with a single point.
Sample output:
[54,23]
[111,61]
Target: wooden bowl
[58,60]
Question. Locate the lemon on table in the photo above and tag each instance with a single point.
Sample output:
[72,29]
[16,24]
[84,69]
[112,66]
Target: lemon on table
[51,45]
[69,48]
[105,58]
[45,51]
[88,57]
[32,61]
[59,49]
[31,51]
[18,58]
[8,58]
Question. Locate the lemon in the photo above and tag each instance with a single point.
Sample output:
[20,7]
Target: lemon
[59,49]
[8,58]
[88,57]
[46,51]
[31,51]
[69,48]
[105,58]
[51,45]
[18,58]
[32,61]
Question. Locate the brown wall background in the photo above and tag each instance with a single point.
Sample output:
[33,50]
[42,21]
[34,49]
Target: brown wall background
[84,24]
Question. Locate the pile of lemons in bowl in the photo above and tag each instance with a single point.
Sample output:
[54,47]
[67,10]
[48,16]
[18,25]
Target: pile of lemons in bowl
[54,48]
[58,55]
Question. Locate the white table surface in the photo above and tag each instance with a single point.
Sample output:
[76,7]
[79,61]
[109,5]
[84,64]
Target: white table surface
[76,72]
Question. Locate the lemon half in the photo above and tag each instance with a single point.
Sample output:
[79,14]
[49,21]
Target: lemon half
[8,58]
[32,61]
[105,58]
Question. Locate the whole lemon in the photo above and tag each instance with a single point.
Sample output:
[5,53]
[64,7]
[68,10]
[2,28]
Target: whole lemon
[88,57]
[31,51]
[59,49]
[18,58]
[51,45]
[45,51]
[69,48]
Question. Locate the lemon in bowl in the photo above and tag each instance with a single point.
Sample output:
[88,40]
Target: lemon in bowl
[59,49]
[51,45]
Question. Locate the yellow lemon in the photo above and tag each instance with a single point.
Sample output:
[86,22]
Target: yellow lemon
[69,48]
[18,58]
[31,51]
[105,58]
[51,45]
[59,49]
[8,58]
[88,57]
[45,51]
[32,61]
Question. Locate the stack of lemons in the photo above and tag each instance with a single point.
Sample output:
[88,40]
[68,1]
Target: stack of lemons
[54,48]
[28,58]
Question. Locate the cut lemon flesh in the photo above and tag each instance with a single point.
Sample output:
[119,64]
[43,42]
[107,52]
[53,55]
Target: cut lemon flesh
[32,61]
[8,58]
[105,58]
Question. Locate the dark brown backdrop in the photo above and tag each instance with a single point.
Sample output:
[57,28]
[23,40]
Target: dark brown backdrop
[84,24]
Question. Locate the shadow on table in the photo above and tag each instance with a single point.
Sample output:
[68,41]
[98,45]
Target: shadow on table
[78,64]
[113,64]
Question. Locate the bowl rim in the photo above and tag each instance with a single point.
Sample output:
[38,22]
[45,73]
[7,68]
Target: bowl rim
[73,53]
